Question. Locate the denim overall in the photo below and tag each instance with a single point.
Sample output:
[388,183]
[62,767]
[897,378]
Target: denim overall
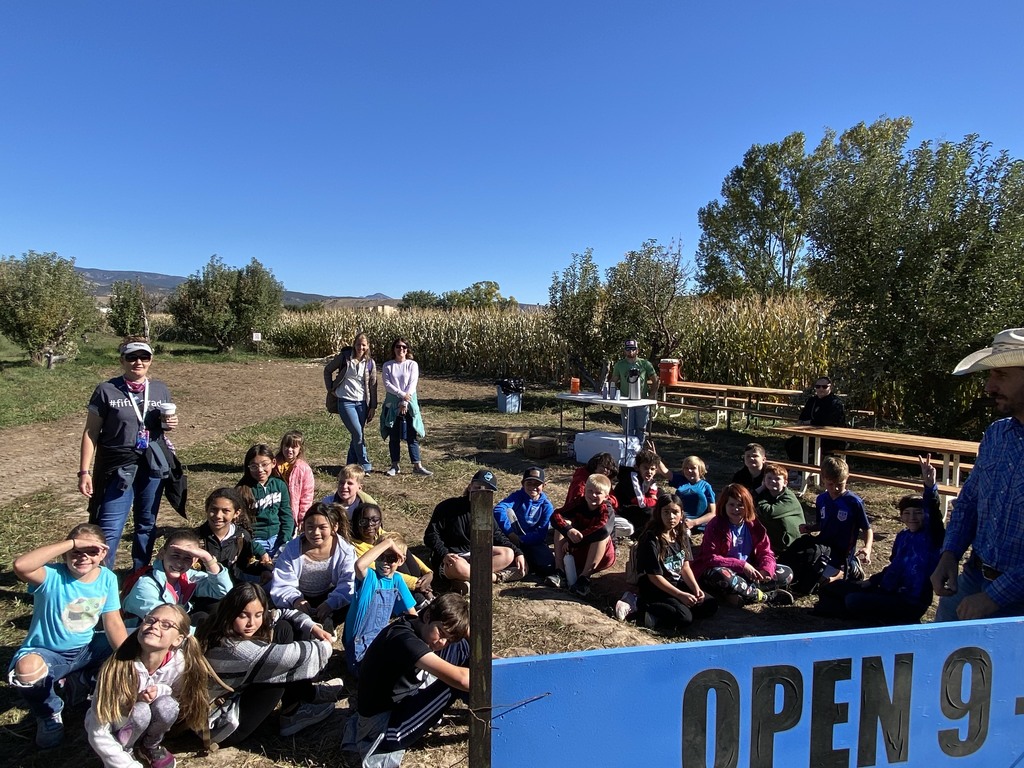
[378,614]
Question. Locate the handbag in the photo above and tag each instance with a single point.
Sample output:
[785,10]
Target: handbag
[332,402]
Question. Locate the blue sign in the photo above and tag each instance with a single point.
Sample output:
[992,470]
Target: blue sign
[934,695]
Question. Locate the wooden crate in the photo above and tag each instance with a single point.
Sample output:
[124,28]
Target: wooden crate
[540,447]
[511,438]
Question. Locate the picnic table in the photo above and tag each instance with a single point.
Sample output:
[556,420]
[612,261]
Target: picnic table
[725,399]
[951,452]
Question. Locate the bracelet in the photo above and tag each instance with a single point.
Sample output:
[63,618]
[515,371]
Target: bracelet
[83,472]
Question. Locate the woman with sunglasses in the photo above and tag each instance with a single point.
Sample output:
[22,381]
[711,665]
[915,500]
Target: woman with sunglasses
[400,418]
[822,409]
[123,432]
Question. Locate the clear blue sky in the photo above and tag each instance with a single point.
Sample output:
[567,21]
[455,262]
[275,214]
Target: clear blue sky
[356,147]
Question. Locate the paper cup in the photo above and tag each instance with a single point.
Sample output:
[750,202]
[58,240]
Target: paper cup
[166,409]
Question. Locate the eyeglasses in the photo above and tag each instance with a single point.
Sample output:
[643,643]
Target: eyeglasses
[132,357]
[87,551]
[258,467]
[164,624]
[366,522]
[401,346]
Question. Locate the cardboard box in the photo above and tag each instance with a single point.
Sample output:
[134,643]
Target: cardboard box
[511,438]
[540,447]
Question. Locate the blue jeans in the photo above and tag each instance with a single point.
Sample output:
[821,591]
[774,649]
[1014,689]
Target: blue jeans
[270,546]
[971,582]
[539,557]
[353,416]
[401,430]
[142,496]
[634,421]
[41,698]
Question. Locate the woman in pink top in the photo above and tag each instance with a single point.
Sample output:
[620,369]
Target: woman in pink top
[400,418]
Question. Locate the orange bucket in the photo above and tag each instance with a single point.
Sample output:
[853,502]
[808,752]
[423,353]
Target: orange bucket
[574,386]
[668,372]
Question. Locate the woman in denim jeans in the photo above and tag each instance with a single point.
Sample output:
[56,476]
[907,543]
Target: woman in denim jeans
[352,376]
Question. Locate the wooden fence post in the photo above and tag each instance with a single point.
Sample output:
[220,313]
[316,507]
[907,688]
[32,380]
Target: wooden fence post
[480,640]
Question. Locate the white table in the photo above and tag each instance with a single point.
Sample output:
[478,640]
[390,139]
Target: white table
[587,399]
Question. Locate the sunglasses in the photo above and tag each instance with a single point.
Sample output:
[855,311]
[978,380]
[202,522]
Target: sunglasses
[132,357]
[401,346]
[87,551]
[822,386]
[389,557]
[164,624]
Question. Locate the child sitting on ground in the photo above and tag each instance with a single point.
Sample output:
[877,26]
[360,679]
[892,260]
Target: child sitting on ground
[736,562]
[410,675]
[350,493]
[778,508]
[173,580]
[293,468]
[599,463]
[669,595]
[380,595]
[368,528]
[583,532]
[227,535]
[272,520]
[840,519]
[902,592]
[636,491]
[524,516]
[751,475]
[70,598]
[697,494]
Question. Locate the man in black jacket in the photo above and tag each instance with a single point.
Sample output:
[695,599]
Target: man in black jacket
[824,409]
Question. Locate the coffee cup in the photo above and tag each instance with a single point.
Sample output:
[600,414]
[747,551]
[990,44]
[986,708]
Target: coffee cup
[166,409]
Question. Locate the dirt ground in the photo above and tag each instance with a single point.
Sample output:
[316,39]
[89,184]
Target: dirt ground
[45,457]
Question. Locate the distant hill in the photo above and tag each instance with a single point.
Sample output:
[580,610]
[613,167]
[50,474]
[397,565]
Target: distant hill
[100,281]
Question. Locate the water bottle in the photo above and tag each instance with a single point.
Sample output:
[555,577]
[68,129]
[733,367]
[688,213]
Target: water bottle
[634,383]
[569,563]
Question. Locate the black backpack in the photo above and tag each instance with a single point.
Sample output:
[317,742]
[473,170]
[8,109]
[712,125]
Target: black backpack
[808,559]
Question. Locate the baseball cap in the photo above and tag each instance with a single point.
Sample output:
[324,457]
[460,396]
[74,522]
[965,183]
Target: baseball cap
[486,477]
[534,473]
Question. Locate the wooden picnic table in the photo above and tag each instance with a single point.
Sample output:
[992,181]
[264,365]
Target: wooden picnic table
[952,452]
[716,398]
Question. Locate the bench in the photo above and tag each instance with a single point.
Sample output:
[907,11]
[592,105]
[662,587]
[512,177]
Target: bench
[912,485]
[898,457]
[700,408]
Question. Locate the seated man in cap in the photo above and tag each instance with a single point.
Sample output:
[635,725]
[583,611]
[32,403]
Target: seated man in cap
[448,536]
[524,517]
[988,514]
[634,420]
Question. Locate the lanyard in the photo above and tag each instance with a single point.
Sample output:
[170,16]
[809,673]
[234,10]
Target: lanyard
[145,403]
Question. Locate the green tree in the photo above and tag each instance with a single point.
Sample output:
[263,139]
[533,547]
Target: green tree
[485,294]
[920,249]
[644,295]
[128,315]
[223,306]
[418,300]
[576,300]
[44,304]
[755,238]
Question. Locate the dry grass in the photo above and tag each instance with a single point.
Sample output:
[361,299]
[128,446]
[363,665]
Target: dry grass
[528,618]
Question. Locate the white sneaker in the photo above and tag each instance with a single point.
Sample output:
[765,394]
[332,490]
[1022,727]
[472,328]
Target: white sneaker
[329,691]
[393,471]
[625,606]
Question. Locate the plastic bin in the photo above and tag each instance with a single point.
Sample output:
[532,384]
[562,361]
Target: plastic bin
[510,395]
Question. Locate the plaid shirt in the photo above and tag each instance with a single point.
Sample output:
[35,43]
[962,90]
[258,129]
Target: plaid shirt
[989,512]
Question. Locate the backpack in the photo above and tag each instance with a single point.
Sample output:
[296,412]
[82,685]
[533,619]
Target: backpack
[129,581]
[808,559]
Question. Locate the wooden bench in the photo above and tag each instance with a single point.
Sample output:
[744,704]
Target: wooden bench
[897,457]
[912,485]
[700,408]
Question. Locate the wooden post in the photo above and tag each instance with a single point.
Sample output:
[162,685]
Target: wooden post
[482,511]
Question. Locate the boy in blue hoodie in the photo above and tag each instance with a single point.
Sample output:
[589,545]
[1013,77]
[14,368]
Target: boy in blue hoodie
[524,517]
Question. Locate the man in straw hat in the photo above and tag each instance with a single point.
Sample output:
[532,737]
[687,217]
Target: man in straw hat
[989,512]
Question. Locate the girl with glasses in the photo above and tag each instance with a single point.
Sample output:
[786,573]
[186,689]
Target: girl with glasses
[271,513]
[368,529]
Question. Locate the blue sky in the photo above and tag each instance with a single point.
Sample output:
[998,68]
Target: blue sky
[357,147]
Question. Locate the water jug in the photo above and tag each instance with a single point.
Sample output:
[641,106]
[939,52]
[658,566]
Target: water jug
[634,383]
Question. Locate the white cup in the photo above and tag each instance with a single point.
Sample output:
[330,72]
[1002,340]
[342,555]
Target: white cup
[166,409]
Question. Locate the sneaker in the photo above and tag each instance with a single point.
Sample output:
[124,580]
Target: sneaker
[581,587]
[781,597]
[49,731]
[507,574]
[419,469]
[393,471]
[305,715]
[329,691]
[650,622]
[460,587]
[557,580]
[158,757]
[625,606]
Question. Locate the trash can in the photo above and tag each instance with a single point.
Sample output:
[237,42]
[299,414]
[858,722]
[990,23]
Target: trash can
[510,395]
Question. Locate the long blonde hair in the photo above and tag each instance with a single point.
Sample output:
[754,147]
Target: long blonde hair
[117,686]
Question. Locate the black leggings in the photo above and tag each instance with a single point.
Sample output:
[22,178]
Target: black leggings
[671,615]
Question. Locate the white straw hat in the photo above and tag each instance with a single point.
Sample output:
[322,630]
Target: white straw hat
[1007,351]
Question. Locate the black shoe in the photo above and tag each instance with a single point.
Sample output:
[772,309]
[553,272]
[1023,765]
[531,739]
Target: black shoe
[581,587]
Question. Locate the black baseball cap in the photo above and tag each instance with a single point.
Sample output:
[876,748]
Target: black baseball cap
[534,473]
[486,477]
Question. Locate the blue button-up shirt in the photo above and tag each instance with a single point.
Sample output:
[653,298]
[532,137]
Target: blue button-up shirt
[989,512]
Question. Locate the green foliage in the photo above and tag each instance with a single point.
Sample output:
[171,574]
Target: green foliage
[754,240]
[44,304]
[483,295]
[576,300]
[128,315]
[419,300]
[920,252]
[223,306]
